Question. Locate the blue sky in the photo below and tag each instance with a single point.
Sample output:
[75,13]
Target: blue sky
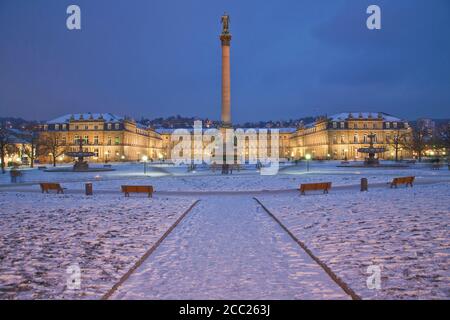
[289,59]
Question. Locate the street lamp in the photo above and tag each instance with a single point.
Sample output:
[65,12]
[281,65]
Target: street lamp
[145,159]
[307,157]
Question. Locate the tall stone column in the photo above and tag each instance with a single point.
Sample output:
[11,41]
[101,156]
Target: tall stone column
[226,87]
[225,39]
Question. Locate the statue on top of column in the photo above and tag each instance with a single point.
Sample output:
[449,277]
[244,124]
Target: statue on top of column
[225,20]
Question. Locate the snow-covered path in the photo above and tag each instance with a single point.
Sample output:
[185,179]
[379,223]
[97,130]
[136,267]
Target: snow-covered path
[229,248]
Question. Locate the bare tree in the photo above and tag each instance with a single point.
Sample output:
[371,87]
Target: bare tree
[7,145]
[32,145]
[417,142]
[52,145]
[398,142]
[443,138]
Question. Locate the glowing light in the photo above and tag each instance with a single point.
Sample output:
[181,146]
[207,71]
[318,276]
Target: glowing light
[308,156]
[144,158]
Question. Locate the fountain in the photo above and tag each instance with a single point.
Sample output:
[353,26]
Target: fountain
[371,151]
[80,164]
[371,161]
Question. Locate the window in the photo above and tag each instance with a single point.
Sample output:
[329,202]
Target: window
[64,126]
[96,152]
[117,126]
[355,126]
[56,126]
[394,125]
[334,125]
[86,127]
[76,127]
[365,138]
[76,139]
[86,140]
[95,127]
[365,125]
[342,139]
[117,140]
[334,139]
[95,140]
[374,125]
[355,139]
[63,141]
[109,126]
[342,125]
[109,141]
[388,125]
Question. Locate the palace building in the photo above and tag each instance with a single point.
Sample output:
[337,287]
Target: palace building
[115,138]
[110,137]
[341,135]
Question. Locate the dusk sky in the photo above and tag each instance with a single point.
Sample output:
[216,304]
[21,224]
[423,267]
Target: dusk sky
[289,59]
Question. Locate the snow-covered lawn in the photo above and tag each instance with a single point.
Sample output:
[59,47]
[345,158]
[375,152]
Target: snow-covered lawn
[404,231]
[42,235]
[170,178]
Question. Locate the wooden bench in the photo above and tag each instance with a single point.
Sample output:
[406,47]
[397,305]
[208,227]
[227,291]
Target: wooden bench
[402,180]
[325,186]
[45,187]
[137,189]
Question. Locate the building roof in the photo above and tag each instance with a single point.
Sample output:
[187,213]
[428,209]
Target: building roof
[107,117]
[17,136]
[170,130]
[362,115]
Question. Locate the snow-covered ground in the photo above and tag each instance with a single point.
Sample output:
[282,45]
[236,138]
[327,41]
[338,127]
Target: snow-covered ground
[229,248]
[404,231]
[240,251]
[42,235]
[170,178]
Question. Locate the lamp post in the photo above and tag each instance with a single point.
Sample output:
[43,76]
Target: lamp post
[144,159]
[307,157]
